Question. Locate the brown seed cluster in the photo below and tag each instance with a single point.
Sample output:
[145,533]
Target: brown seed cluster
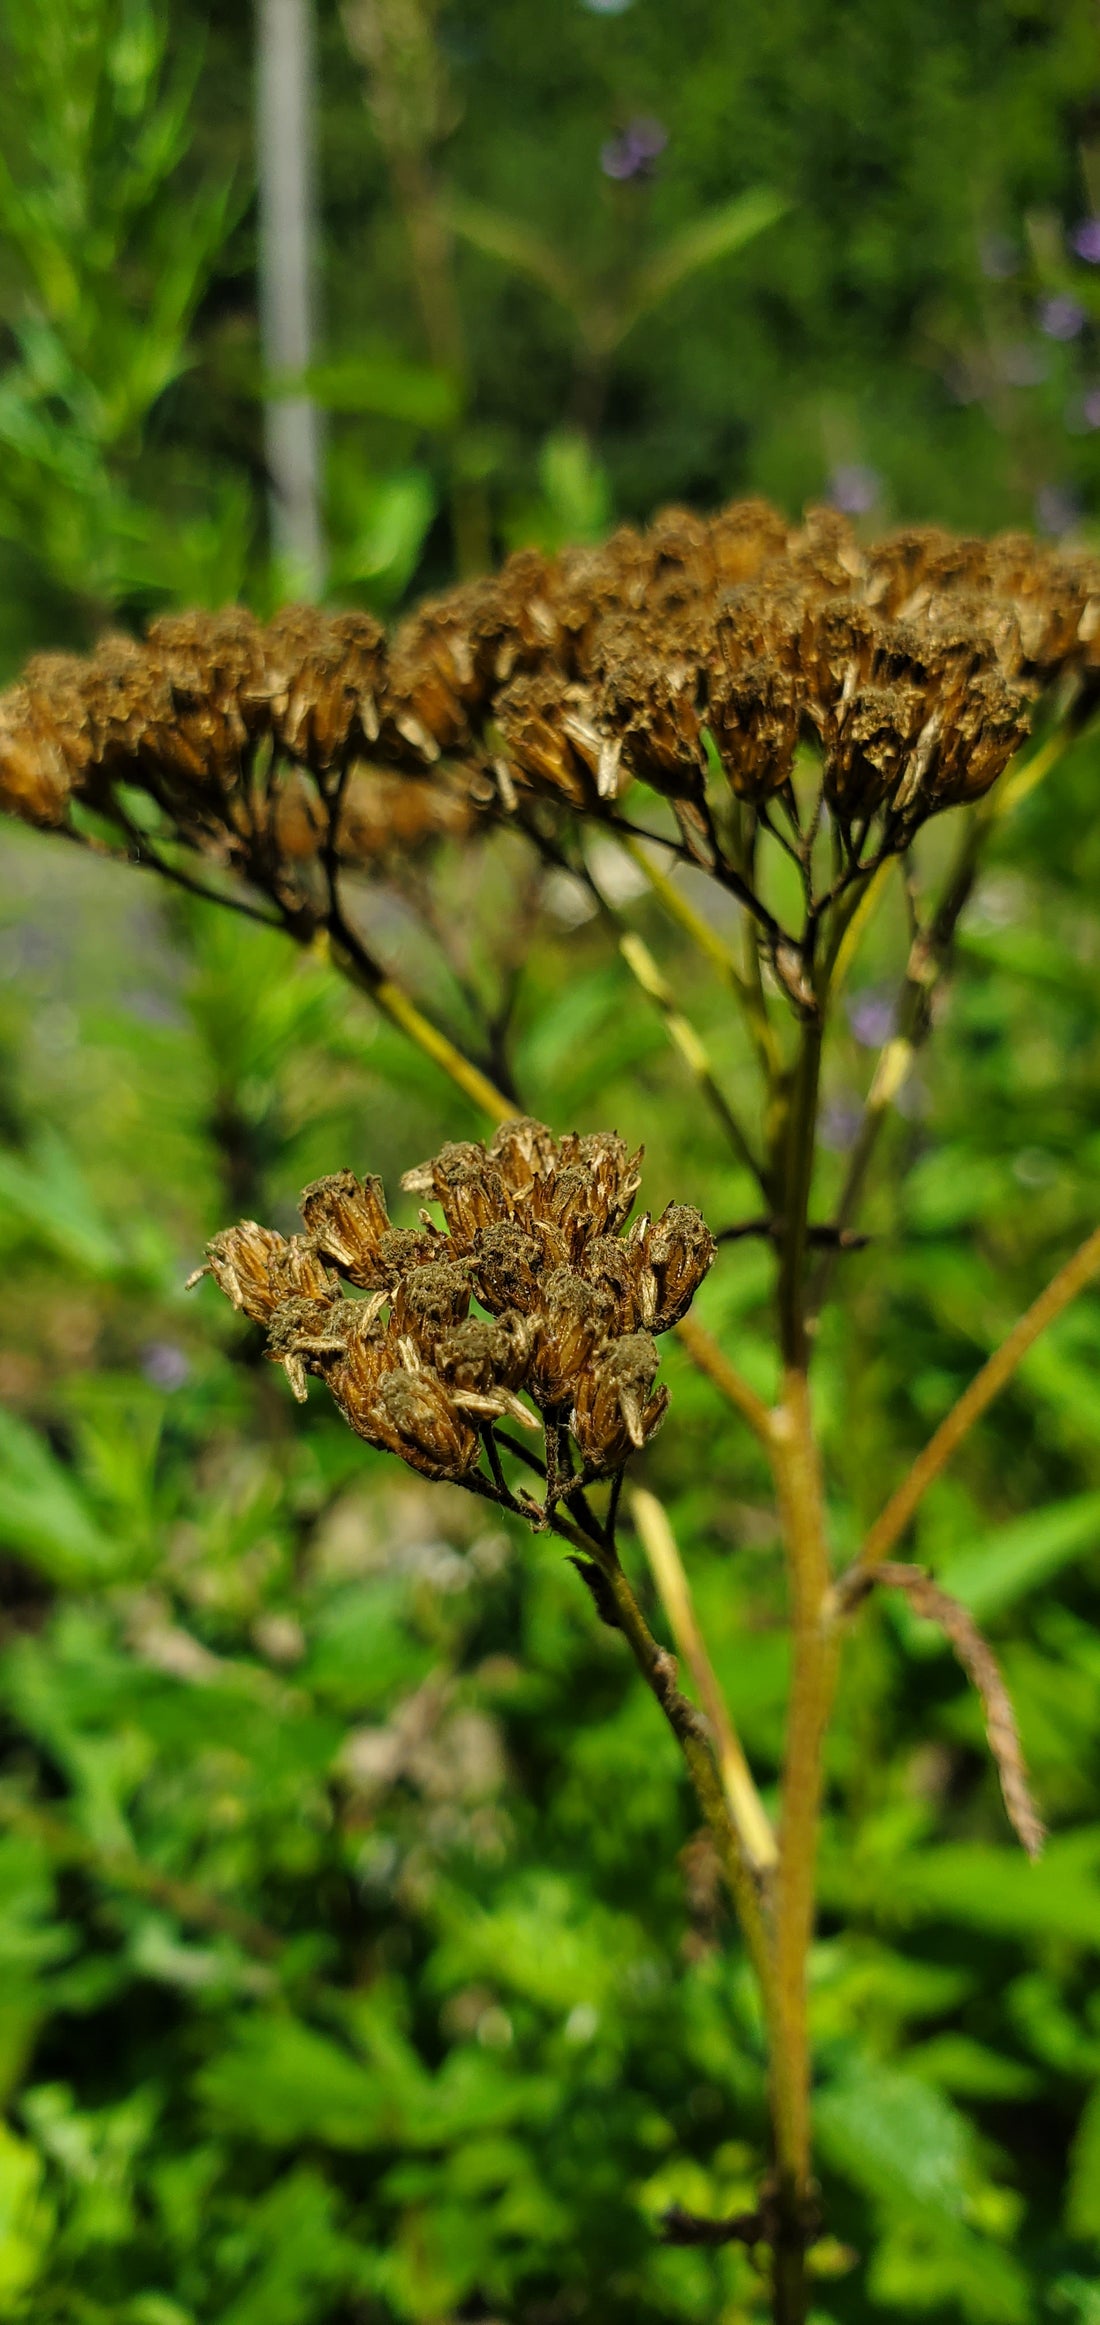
[911,662]
[534,1237]
[240,733]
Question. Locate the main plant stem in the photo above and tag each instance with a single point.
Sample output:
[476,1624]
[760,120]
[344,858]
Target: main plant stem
[797,1474]
[815,1647]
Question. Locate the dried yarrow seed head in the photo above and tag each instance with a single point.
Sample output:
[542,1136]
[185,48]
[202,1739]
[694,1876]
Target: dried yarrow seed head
[536,1233]
[560,680]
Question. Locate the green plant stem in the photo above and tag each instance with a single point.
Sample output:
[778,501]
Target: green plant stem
[974,1401]
[658,1669]
[748,988]
[651,1523]
[815,1655]
[715,1365]
[355,963]
[799,1142]
[929,962]
[682,1035]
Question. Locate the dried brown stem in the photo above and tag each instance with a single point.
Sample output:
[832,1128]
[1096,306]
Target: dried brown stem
[982,1669]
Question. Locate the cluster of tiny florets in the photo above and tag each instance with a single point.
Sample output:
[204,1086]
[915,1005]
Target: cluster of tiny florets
[535,1238]
[910,664]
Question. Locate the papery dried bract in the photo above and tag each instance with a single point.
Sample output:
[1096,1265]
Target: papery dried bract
[415,1417]
[430,1301]
[676,1251]
[614,1412]
[258,1269]
[346,1219]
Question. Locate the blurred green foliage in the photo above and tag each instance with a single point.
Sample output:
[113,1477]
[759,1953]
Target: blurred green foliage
[359,1959]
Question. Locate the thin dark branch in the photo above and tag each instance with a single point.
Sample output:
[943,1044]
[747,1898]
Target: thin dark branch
[823,1237]
[149,858]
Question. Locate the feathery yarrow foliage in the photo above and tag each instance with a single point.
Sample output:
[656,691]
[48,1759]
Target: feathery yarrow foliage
[695,657]
[534,1237]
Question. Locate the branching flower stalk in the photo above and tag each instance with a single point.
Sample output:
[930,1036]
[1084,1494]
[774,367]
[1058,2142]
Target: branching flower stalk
[782,709]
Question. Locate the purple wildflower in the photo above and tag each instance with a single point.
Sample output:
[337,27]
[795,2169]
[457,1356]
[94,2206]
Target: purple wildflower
[634,151]
[1085,239]
[164,1365]
[871,1017]
[1057,509]
[854,488]
[1061,317]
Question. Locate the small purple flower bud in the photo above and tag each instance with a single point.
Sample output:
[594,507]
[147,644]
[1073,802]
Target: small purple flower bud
[633,153]
[1057,509]
[840,1121]
[1061,317]
[1090,407]
[871,1017]
[854,488]
[1085,240]
[165,1366]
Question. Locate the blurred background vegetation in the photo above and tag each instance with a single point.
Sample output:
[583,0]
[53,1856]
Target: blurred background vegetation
[360,1961]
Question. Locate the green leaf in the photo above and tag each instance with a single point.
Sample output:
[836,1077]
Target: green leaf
[43,1516]
[1083,2195]
[716,235]
[25,2220]
[897,2138]
[992,1574]
[390,525]
[518,245]
[998,1890]
[957,2063]
[383,385]
[47,1194]
[303,2261]
[280,2082]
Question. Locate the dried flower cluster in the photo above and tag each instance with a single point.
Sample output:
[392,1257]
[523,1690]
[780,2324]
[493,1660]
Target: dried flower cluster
[911,663]
[534,1237]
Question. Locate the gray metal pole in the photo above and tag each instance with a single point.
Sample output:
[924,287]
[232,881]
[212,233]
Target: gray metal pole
[284,153]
